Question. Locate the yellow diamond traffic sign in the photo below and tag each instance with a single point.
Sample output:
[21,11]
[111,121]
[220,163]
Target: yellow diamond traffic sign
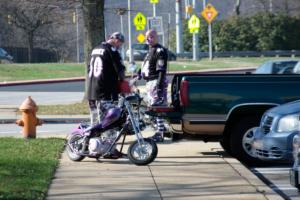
[194,23]
[154,1]
[140,38]
[209,13]
[139,19]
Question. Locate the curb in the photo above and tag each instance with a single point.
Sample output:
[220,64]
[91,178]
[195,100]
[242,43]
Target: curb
[51,121]
[253,180]
[41,81]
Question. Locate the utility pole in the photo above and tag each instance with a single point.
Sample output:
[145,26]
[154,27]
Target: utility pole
[131,59]
[77,33]
[154,9]
[195,38]
[169,23]
[121,12]
[209,34]
[271,6]
[178,27]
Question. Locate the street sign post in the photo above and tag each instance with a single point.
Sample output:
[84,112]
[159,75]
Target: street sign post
[139,21]
[156,23]
[194,24]
[209,13]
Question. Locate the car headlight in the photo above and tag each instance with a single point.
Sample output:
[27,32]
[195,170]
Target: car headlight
[288,123]
[296,148]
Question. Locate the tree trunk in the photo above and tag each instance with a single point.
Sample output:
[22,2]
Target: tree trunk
[93,17]
[30,46]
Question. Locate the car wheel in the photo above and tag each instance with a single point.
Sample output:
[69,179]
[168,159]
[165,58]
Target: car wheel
[241,139]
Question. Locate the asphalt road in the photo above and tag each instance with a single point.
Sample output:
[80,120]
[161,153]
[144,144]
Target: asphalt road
[45,130]
[45,94]
[277,178]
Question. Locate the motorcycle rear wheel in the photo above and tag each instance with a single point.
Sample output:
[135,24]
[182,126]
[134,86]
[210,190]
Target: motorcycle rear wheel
[72,141]
[144,154]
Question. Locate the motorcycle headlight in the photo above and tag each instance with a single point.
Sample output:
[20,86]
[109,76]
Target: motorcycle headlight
[288,123]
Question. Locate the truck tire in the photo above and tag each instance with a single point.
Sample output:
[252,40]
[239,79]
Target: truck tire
[225,144]
[240,140]
[176,136]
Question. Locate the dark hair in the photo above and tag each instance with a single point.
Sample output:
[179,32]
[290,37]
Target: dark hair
[118,36]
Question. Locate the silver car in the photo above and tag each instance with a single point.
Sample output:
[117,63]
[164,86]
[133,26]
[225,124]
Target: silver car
[276,67]
[272,140]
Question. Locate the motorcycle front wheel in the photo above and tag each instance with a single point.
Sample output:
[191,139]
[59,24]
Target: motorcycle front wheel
[74,142]
[144,153]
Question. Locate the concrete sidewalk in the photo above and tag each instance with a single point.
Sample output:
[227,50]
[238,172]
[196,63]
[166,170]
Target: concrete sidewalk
[182,170]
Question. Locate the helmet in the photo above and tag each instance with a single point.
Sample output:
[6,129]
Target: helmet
[117,35]
[123,87]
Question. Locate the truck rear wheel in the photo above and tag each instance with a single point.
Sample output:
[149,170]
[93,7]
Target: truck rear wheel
[225,144]
[240,140]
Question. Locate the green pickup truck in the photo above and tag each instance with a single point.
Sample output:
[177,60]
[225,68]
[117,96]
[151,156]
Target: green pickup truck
[224,107]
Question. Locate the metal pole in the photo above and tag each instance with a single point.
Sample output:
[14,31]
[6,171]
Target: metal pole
[169,23]
[210,41]
[204,4]
[131,59]
[122,30]
[185,5]
[178,27]
[195,40]
[77,34]
[154,9]
[271,6]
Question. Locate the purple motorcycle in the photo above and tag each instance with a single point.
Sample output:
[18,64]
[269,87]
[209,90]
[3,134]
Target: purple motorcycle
[100,141]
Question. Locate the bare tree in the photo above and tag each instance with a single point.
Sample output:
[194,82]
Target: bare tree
[30,16]
[289,7]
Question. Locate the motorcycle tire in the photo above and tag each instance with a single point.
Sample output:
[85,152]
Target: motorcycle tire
[71,154]
[146,157]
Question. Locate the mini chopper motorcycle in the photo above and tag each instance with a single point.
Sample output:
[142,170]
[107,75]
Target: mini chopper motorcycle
[100,141]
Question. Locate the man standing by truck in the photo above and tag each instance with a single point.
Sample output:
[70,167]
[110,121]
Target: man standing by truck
[104,70]
[154,71]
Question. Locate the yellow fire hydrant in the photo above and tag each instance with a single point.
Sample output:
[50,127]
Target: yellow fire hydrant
[29,120]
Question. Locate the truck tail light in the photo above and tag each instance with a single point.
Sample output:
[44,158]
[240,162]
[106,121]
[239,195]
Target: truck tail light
[184,93]
[162,109]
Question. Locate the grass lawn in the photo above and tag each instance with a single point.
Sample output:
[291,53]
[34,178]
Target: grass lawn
[27,166]
[15,72]
[71,109]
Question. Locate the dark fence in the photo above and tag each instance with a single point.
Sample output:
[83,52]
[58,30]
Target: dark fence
[20,55]
[277,53]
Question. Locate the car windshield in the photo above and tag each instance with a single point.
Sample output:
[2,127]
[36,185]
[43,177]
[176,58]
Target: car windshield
[279,66]
[140,46]
[2,52]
